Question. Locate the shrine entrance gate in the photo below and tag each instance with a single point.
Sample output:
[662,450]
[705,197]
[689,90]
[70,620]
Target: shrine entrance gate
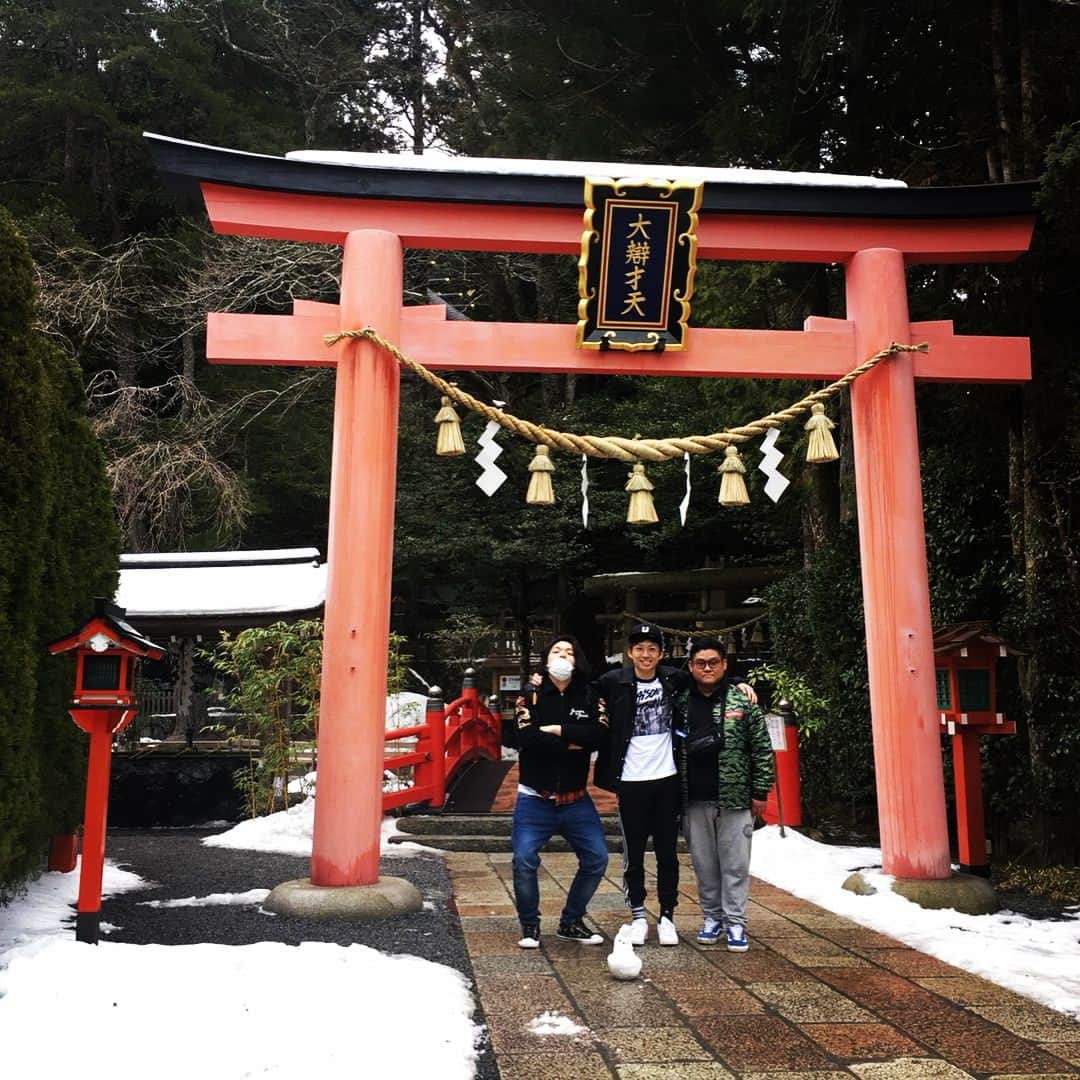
[375,206]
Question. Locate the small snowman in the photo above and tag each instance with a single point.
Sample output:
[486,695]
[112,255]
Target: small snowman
[623,962]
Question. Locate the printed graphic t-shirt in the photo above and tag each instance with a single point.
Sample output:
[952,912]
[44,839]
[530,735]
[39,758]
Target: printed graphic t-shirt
[649,755]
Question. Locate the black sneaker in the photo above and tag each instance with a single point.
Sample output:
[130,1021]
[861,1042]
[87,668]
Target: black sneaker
[530,936]
[579,932]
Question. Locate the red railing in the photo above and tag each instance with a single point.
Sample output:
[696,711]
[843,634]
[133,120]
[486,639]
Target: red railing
[449,738]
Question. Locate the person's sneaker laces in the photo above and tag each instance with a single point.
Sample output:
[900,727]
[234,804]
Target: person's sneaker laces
[736,939]
[578,931]
[666,932]
[639,931]
[710,932]
[530,936]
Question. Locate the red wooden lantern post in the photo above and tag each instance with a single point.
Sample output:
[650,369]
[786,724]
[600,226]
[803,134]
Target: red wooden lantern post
[107,650]
[965,659]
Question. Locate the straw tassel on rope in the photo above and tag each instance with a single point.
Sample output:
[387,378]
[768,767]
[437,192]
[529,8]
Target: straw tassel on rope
[641,510]
[732,479]
[540,492]
[448,443]
[821,447]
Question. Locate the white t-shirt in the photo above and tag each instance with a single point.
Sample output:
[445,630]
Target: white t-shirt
[649,755]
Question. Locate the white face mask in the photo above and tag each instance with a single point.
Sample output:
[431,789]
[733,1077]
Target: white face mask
[560,668]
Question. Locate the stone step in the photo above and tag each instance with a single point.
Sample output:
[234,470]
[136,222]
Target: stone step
[486,832]
[474,824]
[488,843]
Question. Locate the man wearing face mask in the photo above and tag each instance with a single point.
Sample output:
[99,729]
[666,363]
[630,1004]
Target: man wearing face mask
[558,727]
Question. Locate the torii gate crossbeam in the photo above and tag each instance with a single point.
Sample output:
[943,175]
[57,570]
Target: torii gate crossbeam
[375,209]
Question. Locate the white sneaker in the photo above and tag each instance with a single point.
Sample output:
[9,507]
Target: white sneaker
[666,932]
[530,937]
[639,931]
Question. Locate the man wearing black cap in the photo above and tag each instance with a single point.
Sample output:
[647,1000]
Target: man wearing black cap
[638,764]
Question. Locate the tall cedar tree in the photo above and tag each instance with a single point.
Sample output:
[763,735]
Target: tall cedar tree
[59,547]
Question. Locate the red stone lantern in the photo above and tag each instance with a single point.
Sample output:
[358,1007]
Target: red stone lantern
[107,651]
[965,661]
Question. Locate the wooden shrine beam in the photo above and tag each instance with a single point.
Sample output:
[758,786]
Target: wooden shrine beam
[549,230]
[825,350]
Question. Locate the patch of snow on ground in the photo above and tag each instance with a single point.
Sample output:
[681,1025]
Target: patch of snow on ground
[1039,958]
[554,1023]
[288,832]
[46,905]
[266,996]
[252,896]
[112,997]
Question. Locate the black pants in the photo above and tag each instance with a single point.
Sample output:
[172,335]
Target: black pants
[650,808]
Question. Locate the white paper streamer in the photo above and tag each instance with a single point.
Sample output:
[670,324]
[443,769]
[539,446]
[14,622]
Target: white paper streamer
[584,491]
[492,478]
[777,483]
[685,504]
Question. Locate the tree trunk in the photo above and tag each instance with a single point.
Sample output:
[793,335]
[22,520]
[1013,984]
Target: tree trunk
[416,61]
[1029,144]
[1001,87]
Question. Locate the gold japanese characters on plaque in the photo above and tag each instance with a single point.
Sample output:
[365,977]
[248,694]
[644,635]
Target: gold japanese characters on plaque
[636,271]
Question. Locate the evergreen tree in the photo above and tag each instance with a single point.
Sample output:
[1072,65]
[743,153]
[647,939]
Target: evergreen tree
[58,548]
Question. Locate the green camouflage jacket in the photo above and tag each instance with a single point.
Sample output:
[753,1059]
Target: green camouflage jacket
[746,764]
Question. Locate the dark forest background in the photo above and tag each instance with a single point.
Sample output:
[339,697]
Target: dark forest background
[200,457]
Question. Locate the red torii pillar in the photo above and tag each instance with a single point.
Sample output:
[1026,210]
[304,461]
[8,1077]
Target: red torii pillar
[899,643]
[896,593]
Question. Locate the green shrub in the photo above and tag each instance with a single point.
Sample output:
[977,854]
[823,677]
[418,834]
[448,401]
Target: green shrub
[275,672]
[816,619]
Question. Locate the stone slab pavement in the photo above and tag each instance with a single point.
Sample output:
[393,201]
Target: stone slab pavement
[817,997]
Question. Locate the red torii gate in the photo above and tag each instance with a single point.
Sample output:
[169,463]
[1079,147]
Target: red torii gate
[377,207]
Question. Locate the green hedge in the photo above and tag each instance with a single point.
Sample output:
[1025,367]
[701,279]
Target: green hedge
[59,547]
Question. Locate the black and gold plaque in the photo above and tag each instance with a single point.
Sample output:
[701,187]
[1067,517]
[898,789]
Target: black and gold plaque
[636,271]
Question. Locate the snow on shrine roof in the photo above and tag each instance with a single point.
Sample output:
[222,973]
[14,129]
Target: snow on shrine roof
[439,162]
[439,178]
[221,583]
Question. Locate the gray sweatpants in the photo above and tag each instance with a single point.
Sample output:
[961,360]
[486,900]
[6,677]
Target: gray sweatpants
[719,843]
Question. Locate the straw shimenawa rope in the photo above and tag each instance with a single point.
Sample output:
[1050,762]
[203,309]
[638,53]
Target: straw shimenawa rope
[614,446]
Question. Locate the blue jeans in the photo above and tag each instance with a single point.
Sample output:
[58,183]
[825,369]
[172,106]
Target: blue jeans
[536,820]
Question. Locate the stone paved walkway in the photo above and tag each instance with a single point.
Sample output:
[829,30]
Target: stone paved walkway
[815,997]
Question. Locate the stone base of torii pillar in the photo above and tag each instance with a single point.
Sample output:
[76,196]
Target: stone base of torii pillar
[386,897]
[967,893]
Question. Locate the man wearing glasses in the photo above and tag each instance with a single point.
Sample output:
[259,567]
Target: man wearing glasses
[726,766]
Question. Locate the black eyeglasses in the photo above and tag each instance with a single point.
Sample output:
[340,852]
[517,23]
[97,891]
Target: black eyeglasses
[707,663]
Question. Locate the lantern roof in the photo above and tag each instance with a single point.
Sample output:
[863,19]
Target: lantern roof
[107,628]
[958,635]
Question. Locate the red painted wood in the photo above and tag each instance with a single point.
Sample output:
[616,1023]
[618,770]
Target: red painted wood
[787,783]
[824,350]
[899,643]
[896,595]
[970,820]
[327,219]
[348,810]
[63,852]
[101,724]
[436,722]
